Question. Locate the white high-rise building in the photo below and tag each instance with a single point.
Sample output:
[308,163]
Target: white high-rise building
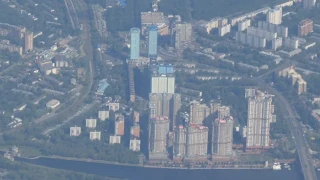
[224,30]
[260,115]
[274,16]
[243,25]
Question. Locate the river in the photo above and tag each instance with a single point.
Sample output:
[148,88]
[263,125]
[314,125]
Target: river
[140,173]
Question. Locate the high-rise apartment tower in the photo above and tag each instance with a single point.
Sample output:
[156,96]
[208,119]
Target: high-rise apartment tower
[134,43]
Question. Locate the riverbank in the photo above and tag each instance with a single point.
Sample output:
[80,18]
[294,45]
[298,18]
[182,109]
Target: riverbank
[143,166]
[156,173]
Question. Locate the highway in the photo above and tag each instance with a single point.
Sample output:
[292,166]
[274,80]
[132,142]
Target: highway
[307,168]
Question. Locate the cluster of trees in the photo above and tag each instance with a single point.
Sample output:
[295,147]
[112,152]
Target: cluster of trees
[207,9]
[123,18]
[19,171]
[61,144]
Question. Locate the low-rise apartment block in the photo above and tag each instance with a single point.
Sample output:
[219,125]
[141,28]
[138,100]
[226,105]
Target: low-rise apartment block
[75,131]
[296,79]
[91,123]
[95,135]
[135,145]
[114,139]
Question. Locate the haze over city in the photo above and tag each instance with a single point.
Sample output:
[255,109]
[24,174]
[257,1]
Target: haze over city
[159,89]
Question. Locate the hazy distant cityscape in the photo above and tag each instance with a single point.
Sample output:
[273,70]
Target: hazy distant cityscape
[176,84]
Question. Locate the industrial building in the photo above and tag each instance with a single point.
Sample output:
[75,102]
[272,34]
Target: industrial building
[291,44]
[269,36]
[305,27]
[224,30]
[103,115]
[158,132]
[309,4]
[279,29]
[95,135]
[243,25]
[134,43]
[134,144]
[198,112]
[222,137]
[91,123]
[135,131]
[154,18]
[274,16]
[276,43]
[260,115]
[250,40]
[75,131]
[296,79]
[114,139]
[28,41]
[153,42]
[162,79]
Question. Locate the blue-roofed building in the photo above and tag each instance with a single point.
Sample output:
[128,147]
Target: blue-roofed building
[153,42]
[166,69]
[134,43]
[103,85]
[122,3]
[162,78]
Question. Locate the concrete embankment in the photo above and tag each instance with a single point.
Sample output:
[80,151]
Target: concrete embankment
[139,165]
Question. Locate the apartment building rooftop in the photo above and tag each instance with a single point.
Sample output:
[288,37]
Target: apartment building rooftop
[152,18]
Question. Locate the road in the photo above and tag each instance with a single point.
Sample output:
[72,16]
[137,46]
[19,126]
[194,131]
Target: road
[305,159]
